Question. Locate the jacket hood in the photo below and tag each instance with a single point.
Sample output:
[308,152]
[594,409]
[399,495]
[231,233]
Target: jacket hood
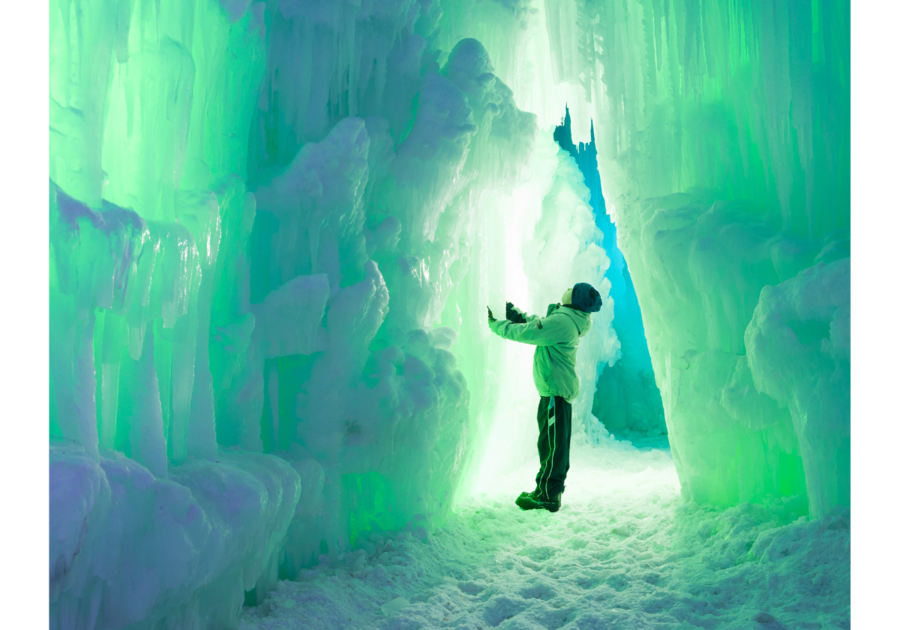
[581,320]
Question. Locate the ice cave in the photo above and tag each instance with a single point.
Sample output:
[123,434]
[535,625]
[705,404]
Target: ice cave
[275,398]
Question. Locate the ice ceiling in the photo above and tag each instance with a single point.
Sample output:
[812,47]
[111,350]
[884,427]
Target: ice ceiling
[275,227]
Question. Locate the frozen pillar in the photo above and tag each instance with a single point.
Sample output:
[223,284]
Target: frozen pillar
[72,368]
[140,409]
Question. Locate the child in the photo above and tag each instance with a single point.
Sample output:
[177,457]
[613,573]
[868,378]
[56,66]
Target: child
[556,337]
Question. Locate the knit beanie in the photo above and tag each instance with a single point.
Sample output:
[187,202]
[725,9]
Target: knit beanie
[586,298]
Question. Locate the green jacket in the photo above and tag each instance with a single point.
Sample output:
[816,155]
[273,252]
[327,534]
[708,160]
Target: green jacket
[556,337]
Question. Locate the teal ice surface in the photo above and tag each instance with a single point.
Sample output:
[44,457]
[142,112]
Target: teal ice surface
[626,397]
[625,551]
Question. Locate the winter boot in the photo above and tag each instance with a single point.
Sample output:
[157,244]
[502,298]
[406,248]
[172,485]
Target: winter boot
[537,501]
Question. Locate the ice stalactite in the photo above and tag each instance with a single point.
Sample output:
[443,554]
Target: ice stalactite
[150,521]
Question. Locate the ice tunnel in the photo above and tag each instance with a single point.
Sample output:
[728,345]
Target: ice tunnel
[275,227]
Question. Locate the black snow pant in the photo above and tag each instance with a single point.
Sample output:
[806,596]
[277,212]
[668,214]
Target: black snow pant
[555,426]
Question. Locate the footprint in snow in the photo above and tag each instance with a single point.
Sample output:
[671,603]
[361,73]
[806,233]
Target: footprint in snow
[538,553]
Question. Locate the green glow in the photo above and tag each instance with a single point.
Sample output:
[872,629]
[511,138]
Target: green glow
[374,505]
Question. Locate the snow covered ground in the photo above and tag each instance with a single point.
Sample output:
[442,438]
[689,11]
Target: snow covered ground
[625,551]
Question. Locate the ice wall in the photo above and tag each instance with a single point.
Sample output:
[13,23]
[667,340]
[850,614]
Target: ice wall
[274,230]
[152,524]
[723,144]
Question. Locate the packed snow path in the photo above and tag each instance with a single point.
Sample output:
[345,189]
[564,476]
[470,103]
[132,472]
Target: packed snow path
[625,551]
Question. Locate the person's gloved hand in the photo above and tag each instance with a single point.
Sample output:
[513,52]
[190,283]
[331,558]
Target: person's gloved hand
[513,315]
[491,317]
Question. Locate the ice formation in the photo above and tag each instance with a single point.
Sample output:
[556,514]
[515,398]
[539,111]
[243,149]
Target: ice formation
[274,227]
[626,398]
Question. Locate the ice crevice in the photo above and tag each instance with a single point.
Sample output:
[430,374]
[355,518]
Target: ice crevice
[274,229]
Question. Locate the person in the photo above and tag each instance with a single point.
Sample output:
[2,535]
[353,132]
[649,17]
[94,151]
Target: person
[556,337]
